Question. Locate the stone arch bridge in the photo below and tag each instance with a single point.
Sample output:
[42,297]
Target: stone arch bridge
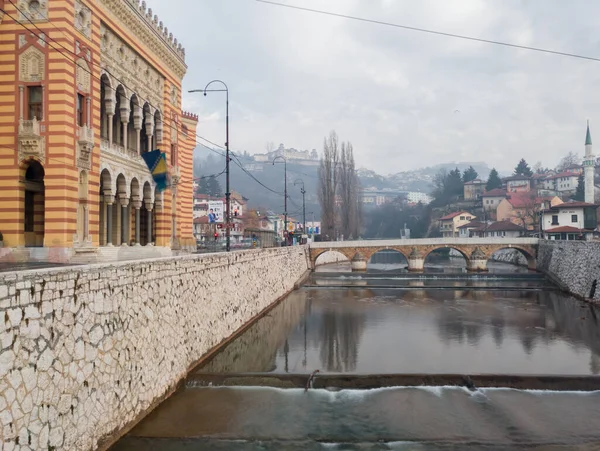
[476,251]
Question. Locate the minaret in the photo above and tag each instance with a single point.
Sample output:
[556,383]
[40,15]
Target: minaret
[588,165]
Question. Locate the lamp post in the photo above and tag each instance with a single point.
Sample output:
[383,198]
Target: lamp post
[284,195]
[227,193]
[303,191]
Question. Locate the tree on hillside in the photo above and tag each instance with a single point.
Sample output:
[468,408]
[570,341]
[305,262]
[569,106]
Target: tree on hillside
[328,185]
[448,186]
[523,168]
[538,168]
[210,186]
[469,175]
[348,193]
[493,180]
[580,192]
[570,159]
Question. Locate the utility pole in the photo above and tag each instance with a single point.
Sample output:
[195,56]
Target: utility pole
[285,231]
[303,191]
[227,190]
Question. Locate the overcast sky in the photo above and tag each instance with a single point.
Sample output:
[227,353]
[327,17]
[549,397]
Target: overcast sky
[294,76]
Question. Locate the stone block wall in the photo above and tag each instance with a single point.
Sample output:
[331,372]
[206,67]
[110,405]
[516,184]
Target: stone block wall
[86,350]
[573,265]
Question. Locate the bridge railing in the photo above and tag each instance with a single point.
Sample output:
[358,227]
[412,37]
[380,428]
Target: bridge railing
[425,242]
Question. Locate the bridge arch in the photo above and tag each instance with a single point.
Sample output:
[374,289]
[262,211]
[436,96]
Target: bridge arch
[437,248]
[531,259]
[330,256]
[393,257]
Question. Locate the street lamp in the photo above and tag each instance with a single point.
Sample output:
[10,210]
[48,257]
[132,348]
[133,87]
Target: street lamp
[284,195]
[227,193]
[303,191]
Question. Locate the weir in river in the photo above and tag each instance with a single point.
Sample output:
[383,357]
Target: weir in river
[440,360]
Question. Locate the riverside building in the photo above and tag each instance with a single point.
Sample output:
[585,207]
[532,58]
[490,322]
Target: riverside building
[86,89]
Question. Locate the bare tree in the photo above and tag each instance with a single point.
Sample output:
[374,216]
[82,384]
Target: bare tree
[570,159]
[348,193]
[328,185]
[528,211]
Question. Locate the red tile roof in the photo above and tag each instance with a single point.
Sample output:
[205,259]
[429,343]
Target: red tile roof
[564,174]
[575,205]
[494,193]
[523,199]
[472,224]
[504,226]
[454,215]
[566,229]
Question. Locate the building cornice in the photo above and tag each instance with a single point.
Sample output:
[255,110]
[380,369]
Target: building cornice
[147,29]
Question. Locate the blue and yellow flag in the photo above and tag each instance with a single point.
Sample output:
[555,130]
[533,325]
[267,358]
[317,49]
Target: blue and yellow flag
[157,163]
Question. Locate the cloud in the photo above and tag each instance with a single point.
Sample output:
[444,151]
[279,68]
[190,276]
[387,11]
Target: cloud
[294,76]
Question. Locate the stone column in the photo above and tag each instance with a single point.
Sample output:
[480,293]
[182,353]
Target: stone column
[88,111]
[137,204]
[149,222]
[359,262]
[477,261]
[416,262]
[109,200]
[21,101]
[137,125]
[125,121]
[109,117]
[109,106]
[149,130]
[86,226]
[124,221]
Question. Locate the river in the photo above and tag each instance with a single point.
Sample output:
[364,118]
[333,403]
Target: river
[388,322]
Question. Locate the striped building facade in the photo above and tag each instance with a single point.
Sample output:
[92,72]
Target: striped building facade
[86,88]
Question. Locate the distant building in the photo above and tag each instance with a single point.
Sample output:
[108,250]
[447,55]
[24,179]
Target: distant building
[501,229]
[449,224]
[563,183]
[305,157]
[491,199]
[522,208]
[518,183]
[466,230]
[416,196]
[570,221]
[376,197]
[474,189]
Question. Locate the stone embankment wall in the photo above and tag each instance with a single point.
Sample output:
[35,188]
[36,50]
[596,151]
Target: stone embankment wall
[573,265]
[87,350]
[509,256]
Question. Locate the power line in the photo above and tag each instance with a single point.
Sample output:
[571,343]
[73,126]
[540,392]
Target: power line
[424,30]
[43,38]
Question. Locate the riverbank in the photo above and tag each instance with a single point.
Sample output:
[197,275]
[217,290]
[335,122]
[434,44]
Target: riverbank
[89,350]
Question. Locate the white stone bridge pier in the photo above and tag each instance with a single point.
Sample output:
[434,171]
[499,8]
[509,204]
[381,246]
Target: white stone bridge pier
[476,251]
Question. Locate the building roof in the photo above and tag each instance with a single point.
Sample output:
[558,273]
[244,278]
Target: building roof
[574,205]
[454,215]
[588,136]
[475,182]
[498,192]
[472,225]
[201,220]
[504,226]
[520,200]
[516,177]
[564,174]
[566,229]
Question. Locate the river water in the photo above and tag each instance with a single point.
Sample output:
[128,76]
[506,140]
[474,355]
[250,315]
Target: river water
[510,321]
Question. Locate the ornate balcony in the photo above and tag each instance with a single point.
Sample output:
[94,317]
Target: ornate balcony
[85,146]
[31,141]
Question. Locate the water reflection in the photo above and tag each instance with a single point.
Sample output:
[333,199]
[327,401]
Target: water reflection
[362,330]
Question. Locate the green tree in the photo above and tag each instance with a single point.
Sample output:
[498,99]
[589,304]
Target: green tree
[493,180]
[210,186]
[455,183]
[523,169]
[580,192]
[469,175]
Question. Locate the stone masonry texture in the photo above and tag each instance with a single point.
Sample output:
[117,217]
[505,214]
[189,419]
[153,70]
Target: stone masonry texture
[573,265]
[85,350]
